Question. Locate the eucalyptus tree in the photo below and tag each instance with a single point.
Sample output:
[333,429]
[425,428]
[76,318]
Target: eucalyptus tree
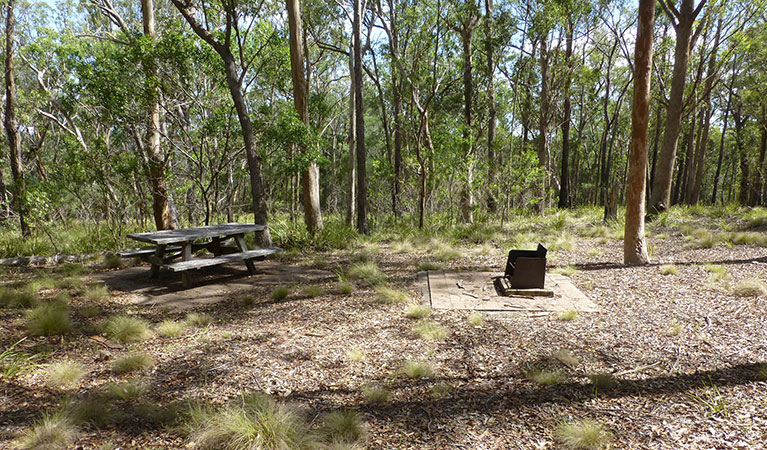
[222,38]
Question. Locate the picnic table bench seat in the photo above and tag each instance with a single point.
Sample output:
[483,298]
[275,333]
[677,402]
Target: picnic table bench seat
[222,259]
[143,252]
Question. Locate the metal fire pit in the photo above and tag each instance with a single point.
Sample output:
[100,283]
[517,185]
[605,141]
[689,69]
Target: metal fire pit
[525,269]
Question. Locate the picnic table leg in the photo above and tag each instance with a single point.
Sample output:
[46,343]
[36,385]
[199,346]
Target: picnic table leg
[215,246]
[244,248]
[186,255]
[157,261]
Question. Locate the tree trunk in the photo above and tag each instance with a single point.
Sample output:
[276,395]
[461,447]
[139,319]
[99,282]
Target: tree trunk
[11,126]
[467,144]
[661,191]
[362,188]
[564,191]
[351,197]
[724,134]
[745,173]
[157,180]
[492,203]
[543,123]
[634,244]
[310,175]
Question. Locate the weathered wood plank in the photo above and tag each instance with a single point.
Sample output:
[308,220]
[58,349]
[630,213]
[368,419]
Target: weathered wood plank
[144,251]
[206,262]
[190,234]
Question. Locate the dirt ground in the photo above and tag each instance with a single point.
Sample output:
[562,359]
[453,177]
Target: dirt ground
[686,353]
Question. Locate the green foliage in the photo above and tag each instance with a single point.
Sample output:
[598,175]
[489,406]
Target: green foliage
[355,354]
[427,265]
[344,287]
[13,363]
[602,381]
[49,319]
[567,271]
[126,329]
[711,399]
[476,319]
[293,235]
[112,261]
[313,291]
[133,362]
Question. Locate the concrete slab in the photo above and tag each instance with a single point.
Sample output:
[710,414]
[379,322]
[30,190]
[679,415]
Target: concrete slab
[440,290]
[211,285]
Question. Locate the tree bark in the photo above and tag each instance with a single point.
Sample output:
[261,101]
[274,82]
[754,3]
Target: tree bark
[543,123]
[724,135]
[492,203]
[234,83]
[634,245]
[661,191]
[745,172]
[310,175]
[362,188]
[160,198]
[351,197]
[467,144]
[564,191]
[11,126]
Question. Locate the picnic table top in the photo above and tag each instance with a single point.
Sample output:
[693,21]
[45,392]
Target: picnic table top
[190,234]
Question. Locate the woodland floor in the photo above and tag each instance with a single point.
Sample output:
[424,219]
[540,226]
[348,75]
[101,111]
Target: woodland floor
[686,351]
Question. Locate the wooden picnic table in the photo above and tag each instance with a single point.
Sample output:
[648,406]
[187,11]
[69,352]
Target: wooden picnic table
[183,242]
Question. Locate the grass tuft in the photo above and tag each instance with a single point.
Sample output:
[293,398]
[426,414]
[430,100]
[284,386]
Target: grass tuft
[444,252]
[565,357]
[199,320]
[50,319]
[375,394]
[14,298]
[583,435]
[668,269]
[355,354]
[367,272]
[545,376]
[133,362]
[344,287]
[52,432]
[112,260]
[429,330]
[64,374]
[127,390]
[417,369]
[761,372]
[313,291]
[476,319]
[387,295]
[254,421]
[70,282]
[96,292]
[719,273]
[429,265]
[126,329]
[12,363]
[602,381]
[568,315]
[441,389]
[750,288]
[567,271]
[343,426]
[674,329]
[416,311]
[280,293]
[170,328]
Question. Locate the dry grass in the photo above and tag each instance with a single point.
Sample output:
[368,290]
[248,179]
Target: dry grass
[429,330]
[476,319]
[750,288]
[280,293]
[565,357]
[567,271]
[375,394]
[416,311]
[545,376]
[343,426]
[49,319]
[417,369]
[133,362]
[65,374]
[199,320]
[127,390]
[344,287]
[583,435]
[52,432]
[668,269]
[127,329]
[170,328]
[367,272]
[388,295]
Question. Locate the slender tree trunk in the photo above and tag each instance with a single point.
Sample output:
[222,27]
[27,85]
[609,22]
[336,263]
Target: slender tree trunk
[723,136]
[11,126]
[661,191]
[362,188]
[492,203]
[745,172]
[759,175]
[564,191]
[157,180]
[351,198]
[310,175]
[543,124]
[467,194]
[634,244]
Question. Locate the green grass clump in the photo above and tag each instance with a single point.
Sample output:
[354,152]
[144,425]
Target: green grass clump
[14,298]
[567,271]
[247,300]
[280,293]
[583,435]
[568,315]
[565,357]
[64,374]
[96,292]
[718,273]
[355,354]
[70,282]
[602,381]
[69,269]
[761,372]
[375,394]
[387,295]
[668,269]
[52,432]
[674,329]
[343,427]
[417,369]
[429,330]
[254,421]
[545,376]
[417,311]
[12,363]
[313,291]
[39,284]
[429,265]
[344,287]
[170,328]
[127,390]
[49,319]
[199,320]
[367,272]
[112,261]
[444,252]
[476,319]
[750,288]
[441,389]
[133,362]
[126,329]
